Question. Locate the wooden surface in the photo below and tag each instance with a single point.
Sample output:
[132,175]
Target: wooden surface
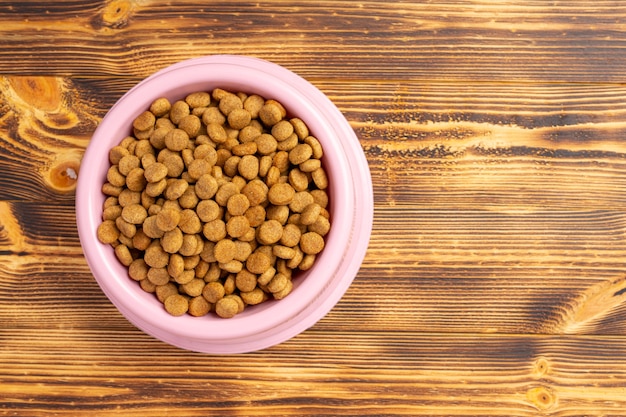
[495,280]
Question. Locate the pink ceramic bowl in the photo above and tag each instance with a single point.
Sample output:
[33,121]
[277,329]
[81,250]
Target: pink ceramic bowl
[315,291]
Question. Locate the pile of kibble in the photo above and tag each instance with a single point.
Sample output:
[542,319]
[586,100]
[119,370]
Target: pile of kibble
[216,201]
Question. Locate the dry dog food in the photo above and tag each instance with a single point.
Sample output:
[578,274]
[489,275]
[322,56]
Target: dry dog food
[215,202]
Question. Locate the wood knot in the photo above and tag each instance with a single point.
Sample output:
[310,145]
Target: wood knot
[541,367]
[117,13]
[42,100]
[62,175]
[541,397]
[43,93]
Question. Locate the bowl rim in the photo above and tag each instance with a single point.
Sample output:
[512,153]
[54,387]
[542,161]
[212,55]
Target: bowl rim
[351,208]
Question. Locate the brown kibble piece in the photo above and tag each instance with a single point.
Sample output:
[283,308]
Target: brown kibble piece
[319,178]
[114,177]
[198,168]
[310,214]
[277,283]
[300,201]
[237,226]
[198,99]
[138,270]
[254,297]
[299,128]
[283,252]
[198,306]
[255,215]
[253,104]
[281,161]
[225,192]
[191,124]
[108,232]
[269,232]
[208,210]
[215,230]
[158,276]
[249,167]
[321,226]
[176,140]
[226,308]
[242,250]
[224,250]
[164,291]
[176,265]
[172,241]
[176,304]
[135,180]
[174,163]
[270,114]
[229,103]
[213,115]
[282,130]
[117,153]
[291,235]
[266,276]
[155,256]
[127,164]
[300,153]
[288,144]
[245,280]
[281,194]
[213,292]
[179,110]
[144,121]
[176,188]
[239,118]
[298,180]
[160,107]
[255,191]
[128,197]
[315,145]
[229,282]
[258,263]
[266,144]
[134,214]
[151,229]
[206,187]
[237,204]
[311,243]
[190,222]
[123,255]
[194,287]
[167,219]
[279,295]
[310,165]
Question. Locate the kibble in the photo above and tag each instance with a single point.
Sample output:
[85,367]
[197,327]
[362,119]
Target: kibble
[176,304]
[215,201]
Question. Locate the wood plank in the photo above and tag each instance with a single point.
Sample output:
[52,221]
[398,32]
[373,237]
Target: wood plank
[479,40]
[424,138]
[72,371]
[545,272]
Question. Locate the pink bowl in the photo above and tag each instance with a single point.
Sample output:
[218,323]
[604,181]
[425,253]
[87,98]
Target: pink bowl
[316,291]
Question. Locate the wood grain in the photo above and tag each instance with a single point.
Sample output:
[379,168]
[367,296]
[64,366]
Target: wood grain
[495,279]
[415,374]
[478,40]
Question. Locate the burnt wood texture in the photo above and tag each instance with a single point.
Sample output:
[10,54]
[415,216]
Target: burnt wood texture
[495,279]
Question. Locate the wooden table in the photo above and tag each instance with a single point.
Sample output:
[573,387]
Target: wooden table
[494,283]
